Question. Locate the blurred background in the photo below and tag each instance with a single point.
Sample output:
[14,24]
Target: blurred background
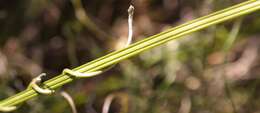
[215,70]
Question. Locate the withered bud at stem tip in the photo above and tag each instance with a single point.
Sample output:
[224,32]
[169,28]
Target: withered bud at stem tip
[131,10]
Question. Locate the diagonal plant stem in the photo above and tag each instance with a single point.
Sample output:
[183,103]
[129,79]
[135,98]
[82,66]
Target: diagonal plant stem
[227,45]
[138,47]
[85,20]
[70,101]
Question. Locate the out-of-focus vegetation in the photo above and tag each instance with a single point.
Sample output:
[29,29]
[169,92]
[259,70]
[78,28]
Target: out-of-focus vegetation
[215,70]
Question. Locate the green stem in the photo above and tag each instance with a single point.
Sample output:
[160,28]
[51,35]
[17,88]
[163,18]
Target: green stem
[138,47]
